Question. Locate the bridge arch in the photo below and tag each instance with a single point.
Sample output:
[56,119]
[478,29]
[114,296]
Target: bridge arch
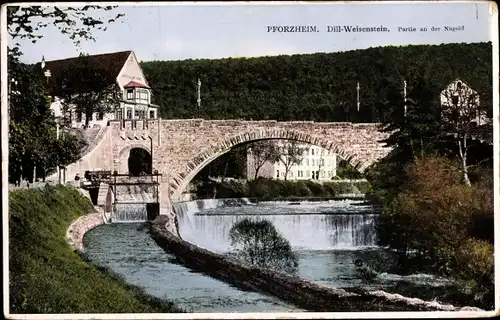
[121,163]
[180,181]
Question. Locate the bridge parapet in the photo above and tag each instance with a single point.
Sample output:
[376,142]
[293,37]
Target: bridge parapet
[134,124]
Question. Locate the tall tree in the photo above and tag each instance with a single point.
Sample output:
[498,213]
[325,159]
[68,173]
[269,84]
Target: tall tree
[290,154]
[461,116]
[32,133]
[262,152]
[88,88]
[32,137]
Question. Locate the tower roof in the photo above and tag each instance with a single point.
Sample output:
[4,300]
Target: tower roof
[134,84]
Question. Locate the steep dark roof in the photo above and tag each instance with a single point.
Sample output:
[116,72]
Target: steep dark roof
[111,62]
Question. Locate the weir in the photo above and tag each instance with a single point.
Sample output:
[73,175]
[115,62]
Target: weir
[303,225]
[136,199]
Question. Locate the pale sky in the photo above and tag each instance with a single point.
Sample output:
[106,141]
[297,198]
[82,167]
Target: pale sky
[209,30]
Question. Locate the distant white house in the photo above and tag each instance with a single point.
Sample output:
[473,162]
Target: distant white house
[317,164]
[461,97]
[125,68]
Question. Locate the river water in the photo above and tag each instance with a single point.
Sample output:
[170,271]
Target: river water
[327,237]
[129,250]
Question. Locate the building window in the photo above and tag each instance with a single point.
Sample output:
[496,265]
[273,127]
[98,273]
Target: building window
[151,114]
[130,94]
[143,95]
[129,114]
[277,173]
[308,173]
[140,114]
[78,117]
[119,113]
[322,174]
[100,115]
[312,153]
[322,162]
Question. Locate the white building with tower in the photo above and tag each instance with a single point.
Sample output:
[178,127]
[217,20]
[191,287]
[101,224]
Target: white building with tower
[317,164]
[135,102]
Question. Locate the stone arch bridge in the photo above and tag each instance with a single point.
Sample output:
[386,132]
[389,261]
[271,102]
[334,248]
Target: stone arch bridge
[181,148]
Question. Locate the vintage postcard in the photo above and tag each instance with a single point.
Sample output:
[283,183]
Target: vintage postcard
[250,160]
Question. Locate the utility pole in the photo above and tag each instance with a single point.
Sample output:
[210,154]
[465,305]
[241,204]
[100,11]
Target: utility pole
[357,89]
[198,100]
[58,166]
[404,94]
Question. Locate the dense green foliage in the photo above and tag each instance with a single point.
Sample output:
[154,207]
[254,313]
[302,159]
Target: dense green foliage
[267,189]
[429,192]
[439,224]
[320,87]
[46,275]
[32,128]
[347,171]
[258,243]
[32,132]
[231,164]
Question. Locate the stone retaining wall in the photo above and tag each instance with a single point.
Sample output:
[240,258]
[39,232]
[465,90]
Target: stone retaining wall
[293,290]
[83,224]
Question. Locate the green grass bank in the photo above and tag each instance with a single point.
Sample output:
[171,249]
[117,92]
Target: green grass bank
[47,276]
[270,189]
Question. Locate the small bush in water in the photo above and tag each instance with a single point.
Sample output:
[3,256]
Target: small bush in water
[258,243]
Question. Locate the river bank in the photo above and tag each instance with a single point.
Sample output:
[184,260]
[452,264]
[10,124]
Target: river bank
[47,275]
[270,189]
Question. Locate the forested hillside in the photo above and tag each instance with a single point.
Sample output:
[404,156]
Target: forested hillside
[319,87]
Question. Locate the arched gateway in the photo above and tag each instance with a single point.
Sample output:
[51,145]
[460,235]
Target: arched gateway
[181,148]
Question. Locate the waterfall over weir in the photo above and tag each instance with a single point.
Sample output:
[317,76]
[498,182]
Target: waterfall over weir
[131,202]
[307,225]
[129,212]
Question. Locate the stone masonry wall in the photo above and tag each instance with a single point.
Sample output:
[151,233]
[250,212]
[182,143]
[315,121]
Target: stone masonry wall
[181,148]
[99,157]
[76,231]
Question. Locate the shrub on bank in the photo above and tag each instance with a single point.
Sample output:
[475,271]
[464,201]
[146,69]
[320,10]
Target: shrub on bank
[437,218]
[267,189]
[46,275]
